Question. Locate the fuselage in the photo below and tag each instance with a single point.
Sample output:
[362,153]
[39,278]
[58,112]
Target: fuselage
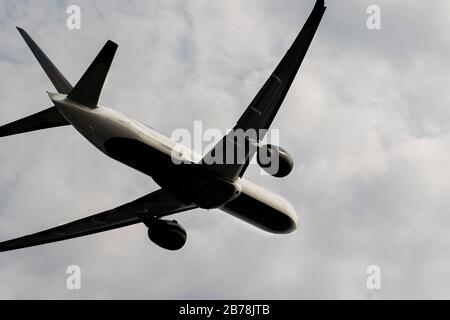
[175,167]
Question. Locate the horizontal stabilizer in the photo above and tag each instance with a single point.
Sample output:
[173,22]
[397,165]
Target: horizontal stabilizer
[59,81]
[87,90]
[48,118]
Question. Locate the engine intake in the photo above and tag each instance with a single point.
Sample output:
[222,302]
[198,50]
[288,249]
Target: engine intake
[275,160]
[167,234]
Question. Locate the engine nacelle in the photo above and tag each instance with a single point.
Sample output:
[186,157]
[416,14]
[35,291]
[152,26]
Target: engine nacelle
[275,160]
[167,234]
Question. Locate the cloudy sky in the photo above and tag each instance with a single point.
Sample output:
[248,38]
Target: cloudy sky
[366,121]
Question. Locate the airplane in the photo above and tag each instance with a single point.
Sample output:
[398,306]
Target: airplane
[183,186]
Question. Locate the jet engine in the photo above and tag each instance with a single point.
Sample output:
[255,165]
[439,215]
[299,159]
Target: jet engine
[275,160]
[167,234]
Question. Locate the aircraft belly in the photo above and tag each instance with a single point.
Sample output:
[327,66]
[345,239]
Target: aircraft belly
[197,185]
[262,209]
[137,154]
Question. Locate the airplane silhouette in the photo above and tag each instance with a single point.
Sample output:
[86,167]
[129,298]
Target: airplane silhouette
[184,186]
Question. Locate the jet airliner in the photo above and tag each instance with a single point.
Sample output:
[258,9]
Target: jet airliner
[183,186]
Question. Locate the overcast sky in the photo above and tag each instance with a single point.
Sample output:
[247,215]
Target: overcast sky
[367,121]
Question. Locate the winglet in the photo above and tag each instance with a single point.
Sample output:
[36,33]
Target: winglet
[289,65]
[87,90]
[59,81]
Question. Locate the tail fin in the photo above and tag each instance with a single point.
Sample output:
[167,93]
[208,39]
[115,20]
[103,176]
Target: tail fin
[59,81]
[87,90]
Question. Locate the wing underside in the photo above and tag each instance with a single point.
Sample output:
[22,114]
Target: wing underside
[264,107]
[156,204]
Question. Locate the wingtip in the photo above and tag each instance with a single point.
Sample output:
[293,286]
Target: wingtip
[319,7]
[22,32]
[112,44]
[320,3]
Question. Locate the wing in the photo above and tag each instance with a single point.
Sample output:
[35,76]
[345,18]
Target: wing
[262,110]
[156,204]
